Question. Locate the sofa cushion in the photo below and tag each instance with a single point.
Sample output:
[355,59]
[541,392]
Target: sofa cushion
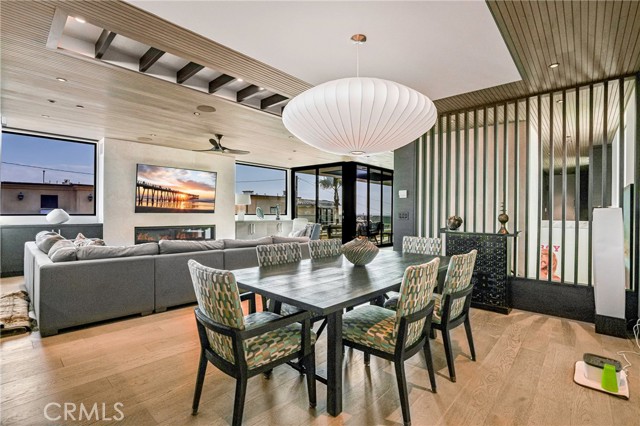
[182,246]
[280,240]
[247,243]
[106,252]
[63,251]
[81,241]
[46,239]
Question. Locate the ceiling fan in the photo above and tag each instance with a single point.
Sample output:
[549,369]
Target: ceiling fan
[217,147]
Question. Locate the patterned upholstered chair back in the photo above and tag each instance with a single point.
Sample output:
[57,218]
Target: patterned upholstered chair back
[325,248]
[416,291]
[219,299]
[459,278]
[421,245]
[279,254]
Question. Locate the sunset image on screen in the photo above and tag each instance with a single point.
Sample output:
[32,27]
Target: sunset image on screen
[171,190]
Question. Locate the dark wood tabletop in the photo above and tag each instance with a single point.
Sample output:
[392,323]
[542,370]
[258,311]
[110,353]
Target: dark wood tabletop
[326,285]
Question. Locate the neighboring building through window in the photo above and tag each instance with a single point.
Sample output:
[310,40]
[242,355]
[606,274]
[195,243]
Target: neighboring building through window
[39,174]
[267,186]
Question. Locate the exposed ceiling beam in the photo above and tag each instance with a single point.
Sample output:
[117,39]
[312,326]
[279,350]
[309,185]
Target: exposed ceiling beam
[103,43]
[247,92]
[149,58]
[217,83]
[187,72]
[272,100]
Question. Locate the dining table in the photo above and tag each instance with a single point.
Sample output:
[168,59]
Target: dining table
[327,286]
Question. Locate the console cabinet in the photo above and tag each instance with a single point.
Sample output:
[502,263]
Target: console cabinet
[491,275]
[252,229]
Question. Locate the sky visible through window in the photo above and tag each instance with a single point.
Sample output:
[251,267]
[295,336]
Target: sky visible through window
[25,157]
[260,180]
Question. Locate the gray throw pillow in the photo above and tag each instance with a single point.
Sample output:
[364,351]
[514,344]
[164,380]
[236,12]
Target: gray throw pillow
[299,233]
[82,241]
[46,239]
[280,240]
[107,252]
[63,251]
[308,230]
[247,243]
[183,246]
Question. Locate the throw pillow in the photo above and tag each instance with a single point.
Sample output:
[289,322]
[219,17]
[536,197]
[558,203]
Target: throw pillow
[308,229]
[280,240]
[63,251]
[46,239]
[82,241]
[300,233]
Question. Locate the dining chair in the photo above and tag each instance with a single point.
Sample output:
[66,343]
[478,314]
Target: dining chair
[397,335]
[279,254]
[452,306]
[415,245]
[244,346]
[421,245]
[325,248]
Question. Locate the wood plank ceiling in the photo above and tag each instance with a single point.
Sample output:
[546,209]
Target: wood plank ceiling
[122,104]
[590,40]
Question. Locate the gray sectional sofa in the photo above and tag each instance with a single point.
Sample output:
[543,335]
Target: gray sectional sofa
[73,293]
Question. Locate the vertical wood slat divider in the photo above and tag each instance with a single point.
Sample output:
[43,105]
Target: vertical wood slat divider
[516,184]
[485,152]
[495,166]
[475,170]
[577,188]
[465,192]
[564,186]
[540,183]
[621,143]
[605,145]
[551,185]
[590,195]
[527,187]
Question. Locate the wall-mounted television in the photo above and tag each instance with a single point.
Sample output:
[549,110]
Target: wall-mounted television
[172,190]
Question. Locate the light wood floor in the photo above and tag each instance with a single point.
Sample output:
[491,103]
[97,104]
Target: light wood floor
[523,376]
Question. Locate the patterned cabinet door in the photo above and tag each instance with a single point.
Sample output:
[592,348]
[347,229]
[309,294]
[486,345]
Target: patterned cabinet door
[491,289]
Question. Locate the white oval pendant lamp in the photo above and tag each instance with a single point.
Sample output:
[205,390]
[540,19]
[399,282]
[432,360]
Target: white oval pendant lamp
[359,115]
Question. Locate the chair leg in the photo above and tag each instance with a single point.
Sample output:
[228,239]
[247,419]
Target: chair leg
[367,359]
[267,374]
[202,369]
[252,304]
[310,367]
[448,350]
[467,328]
[238,405]
[402,390]
[429,359]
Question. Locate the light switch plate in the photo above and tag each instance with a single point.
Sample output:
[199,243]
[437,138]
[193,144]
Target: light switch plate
[402,193]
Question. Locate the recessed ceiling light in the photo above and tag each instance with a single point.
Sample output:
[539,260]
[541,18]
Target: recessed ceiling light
[81,20]
[153,135]
[196,113]
[554,65]
[205,108]
[559,101]
[295,150]
[61,79]
[239,79]
[45,116]
[358,152]
[52,101]
[80,106]
[260,88]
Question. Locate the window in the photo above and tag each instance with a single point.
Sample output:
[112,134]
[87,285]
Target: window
[39,174]
[267,186]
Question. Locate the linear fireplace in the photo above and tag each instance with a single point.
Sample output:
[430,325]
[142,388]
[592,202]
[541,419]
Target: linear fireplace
[147,234]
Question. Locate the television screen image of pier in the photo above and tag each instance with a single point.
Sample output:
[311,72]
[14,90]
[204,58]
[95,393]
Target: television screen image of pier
[171,190]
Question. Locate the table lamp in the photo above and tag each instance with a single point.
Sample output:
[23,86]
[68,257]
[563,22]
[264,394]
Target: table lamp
[57,216]
[242,200]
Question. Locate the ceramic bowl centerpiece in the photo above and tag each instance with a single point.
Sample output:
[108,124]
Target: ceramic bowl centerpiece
[360,251]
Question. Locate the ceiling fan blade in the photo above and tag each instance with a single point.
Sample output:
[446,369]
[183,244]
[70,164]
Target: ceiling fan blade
[216,144]
[205,150]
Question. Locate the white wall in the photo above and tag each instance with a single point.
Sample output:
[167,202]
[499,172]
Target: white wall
[120,159]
